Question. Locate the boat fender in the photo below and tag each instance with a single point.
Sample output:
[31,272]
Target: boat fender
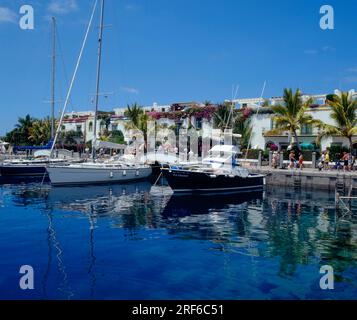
[212,176]
[111,174]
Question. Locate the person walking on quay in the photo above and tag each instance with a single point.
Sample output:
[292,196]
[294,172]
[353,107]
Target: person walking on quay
[345,159]
[327,160]
[321,164]
[275,162]
[352,161]
[301,161]
[292,160]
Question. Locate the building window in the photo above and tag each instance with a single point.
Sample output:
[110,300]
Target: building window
[63,128]
[90,127]
[79,128]
[306,129]
[102,126]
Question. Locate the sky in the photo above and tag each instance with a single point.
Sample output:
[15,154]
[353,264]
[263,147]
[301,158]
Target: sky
[172,51]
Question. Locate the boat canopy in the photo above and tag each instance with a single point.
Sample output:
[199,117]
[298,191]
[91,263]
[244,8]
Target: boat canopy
[25,148]
[3,143]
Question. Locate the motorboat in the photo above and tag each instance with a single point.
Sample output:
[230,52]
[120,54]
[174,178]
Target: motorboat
[218,173]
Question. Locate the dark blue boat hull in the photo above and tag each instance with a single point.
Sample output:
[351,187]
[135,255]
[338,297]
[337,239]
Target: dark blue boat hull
[190,182]
[22,170]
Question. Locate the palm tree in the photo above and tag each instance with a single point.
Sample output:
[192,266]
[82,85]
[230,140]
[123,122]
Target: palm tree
[343,112]
[134,112]
[24,123]
[243,127]
[40,131]
[139,121]
[20,135]
[223,117]
[207,103]
[266,103]
[292,115]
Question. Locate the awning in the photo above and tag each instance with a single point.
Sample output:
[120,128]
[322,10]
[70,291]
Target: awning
[25,148]
[307,146]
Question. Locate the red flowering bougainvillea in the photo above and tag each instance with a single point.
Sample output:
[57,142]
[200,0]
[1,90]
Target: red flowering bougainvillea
[246,112]
[197,112]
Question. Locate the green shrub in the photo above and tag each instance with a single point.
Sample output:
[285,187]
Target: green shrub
[117,137]
[336,152]
[252,153]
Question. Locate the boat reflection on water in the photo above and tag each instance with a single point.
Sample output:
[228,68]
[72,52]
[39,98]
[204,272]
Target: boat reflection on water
[142,237]
[81,199]
[92,202]
[223,220]
[100,199]
[180,206]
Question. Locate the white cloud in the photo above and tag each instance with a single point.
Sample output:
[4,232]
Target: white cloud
[352,69]
[7,15]
[328,49]
[310,51]
[130,90]
[132,7]
[350,79]
[62,6]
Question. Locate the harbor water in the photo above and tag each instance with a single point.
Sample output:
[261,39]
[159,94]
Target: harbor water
[136,241]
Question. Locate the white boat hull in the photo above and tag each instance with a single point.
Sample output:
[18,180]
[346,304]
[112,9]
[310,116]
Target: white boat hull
[77,175]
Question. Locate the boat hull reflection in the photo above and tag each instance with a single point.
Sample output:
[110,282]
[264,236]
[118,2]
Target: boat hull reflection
[88,192]
[182,205]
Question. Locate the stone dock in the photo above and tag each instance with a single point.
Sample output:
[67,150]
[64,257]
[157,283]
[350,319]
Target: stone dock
[309,178]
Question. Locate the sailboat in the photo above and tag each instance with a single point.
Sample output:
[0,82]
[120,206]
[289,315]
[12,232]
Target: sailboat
[95,172]
[36,166]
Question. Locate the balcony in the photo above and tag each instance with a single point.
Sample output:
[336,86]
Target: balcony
[266,130]
[303,133]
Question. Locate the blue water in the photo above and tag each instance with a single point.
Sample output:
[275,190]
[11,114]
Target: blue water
[139,242]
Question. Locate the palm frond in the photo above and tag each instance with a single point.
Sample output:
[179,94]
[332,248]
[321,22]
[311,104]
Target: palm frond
[275,131]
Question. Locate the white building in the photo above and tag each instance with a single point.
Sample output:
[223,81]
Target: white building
[82,122]
[262,123]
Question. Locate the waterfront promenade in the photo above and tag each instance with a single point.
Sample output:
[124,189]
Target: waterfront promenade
[308,178]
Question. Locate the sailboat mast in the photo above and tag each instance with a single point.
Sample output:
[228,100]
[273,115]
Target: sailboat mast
[100,38]
[53,77]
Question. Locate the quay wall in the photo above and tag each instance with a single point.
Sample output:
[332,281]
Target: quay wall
[309,179]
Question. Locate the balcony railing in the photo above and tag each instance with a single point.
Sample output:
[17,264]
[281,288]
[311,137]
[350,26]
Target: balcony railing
[306,133]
